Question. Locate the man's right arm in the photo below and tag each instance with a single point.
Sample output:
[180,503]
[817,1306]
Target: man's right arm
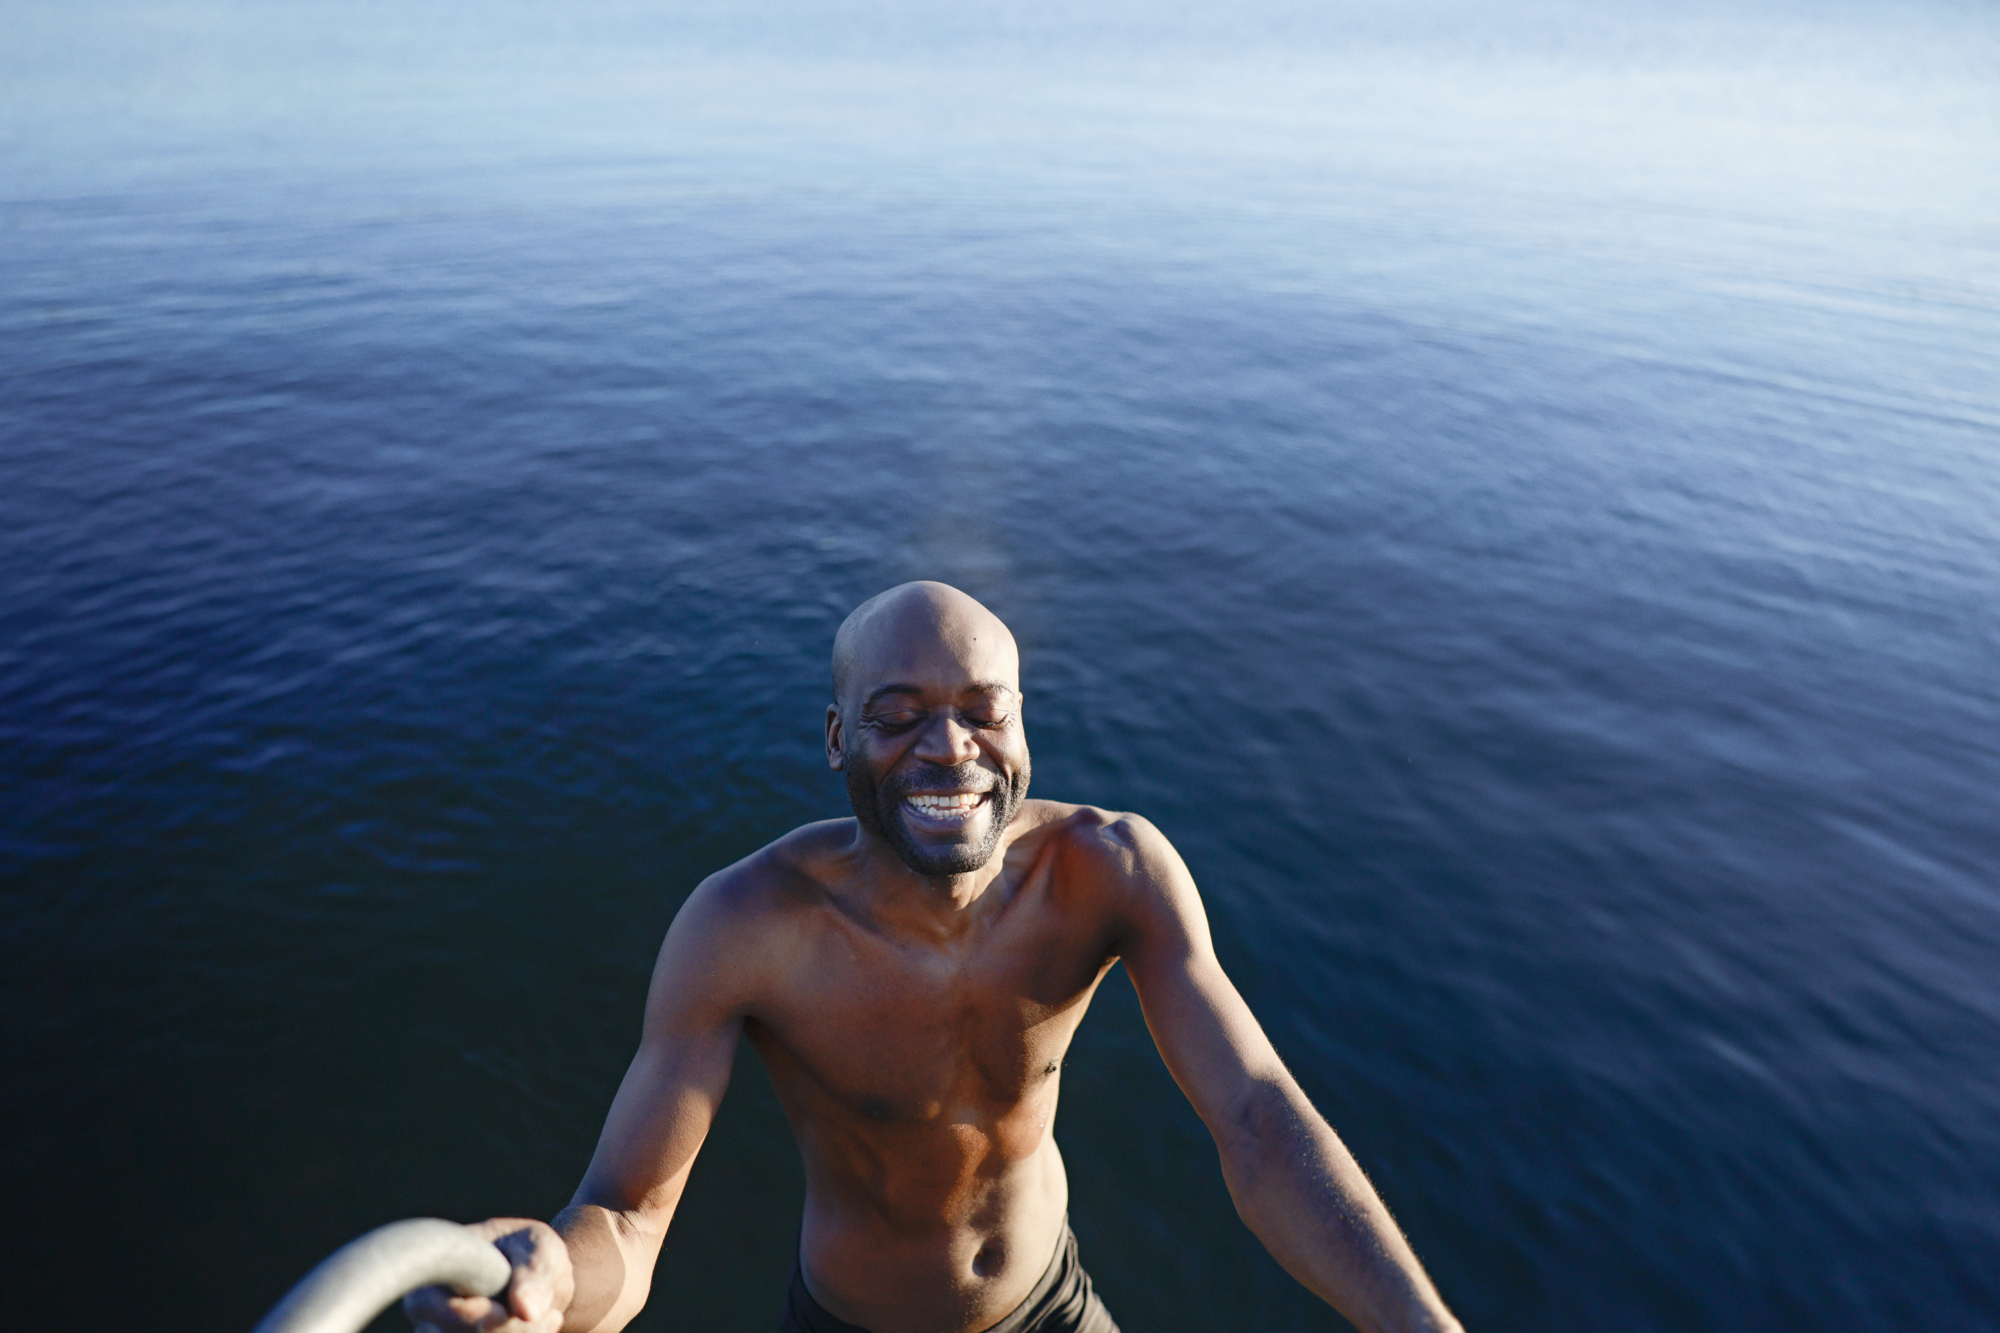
[592,1272]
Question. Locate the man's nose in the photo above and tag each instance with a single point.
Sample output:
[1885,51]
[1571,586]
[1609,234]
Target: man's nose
[947,741]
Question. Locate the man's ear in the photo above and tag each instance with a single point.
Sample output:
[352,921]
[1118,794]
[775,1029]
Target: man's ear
[834,759]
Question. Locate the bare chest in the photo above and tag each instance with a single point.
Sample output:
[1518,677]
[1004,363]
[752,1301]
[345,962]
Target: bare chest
[892,1029]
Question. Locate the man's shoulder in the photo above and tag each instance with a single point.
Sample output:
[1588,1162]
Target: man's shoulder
[787,873]
[1109,862]
[743,921]
[1090,837]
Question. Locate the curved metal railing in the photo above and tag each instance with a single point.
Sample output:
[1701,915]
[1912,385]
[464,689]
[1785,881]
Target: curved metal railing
[364,1277]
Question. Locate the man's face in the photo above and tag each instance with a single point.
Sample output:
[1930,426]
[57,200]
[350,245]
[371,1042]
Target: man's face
[934,755]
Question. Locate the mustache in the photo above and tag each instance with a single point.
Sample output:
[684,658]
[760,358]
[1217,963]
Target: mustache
[942,777]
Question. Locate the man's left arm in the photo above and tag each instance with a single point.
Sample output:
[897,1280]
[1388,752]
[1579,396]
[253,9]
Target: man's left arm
[1294,1182]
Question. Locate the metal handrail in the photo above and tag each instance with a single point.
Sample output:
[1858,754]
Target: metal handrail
[367,1275]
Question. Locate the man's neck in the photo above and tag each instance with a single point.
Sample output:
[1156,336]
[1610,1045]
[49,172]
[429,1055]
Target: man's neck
[941,905]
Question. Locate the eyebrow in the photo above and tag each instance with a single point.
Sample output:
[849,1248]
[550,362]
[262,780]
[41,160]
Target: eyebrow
[977,687]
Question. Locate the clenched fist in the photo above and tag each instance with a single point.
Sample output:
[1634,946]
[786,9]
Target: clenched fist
[535,1301]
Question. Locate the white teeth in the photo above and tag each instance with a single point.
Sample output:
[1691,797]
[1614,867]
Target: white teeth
[957,804]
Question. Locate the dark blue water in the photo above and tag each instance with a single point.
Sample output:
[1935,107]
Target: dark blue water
[1514,495]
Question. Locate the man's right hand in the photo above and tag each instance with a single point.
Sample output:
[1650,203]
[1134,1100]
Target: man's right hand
[535,1301]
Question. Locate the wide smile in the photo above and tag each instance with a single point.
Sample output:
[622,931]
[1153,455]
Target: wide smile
[944,810]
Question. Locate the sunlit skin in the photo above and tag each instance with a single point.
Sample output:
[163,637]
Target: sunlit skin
[914,1019]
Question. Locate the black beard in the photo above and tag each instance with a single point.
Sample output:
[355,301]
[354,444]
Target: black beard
[880,810]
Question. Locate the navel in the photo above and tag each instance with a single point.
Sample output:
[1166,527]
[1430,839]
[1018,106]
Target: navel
[990,1259]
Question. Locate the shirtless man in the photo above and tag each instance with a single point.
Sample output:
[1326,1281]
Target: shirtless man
[912,977]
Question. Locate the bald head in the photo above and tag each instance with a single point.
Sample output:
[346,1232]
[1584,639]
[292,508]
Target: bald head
[911,629]
[926,726]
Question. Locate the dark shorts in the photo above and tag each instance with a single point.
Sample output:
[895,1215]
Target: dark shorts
[1062,1302]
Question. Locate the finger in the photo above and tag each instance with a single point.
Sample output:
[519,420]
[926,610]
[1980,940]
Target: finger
[436,1309]
[531,1291]
[546,1258]
[540,1278]
[428,1305]
[530,1295]
[497,1315]
[535,1298]
[474,1312]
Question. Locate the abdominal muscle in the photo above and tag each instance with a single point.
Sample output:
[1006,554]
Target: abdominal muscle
[930,1227]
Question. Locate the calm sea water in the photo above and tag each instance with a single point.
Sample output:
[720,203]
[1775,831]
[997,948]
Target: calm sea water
[1515,496]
